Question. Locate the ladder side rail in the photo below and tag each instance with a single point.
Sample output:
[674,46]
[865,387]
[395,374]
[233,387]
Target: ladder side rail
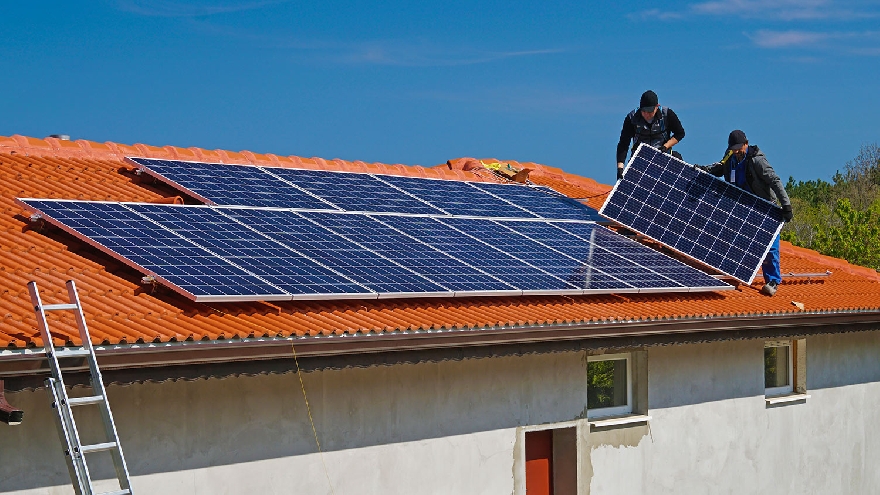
[74,459]
[97,380]
[59,396]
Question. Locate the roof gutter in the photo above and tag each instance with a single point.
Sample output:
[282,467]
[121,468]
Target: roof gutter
[30,362]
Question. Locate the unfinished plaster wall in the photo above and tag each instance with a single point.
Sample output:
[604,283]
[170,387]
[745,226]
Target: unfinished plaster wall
[448,427]
[712,431]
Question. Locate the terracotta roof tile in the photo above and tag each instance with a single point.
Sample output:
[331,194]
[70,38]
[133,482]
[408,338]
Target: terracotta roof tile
[121,310]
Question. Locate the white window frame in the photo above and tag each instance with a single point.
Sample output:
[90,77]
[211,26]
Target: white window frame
[617,410]
[787,389]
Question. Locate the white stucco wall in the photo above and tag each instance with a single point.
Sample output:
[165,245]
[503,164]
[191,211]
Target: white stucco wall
[447,427]
[456,427]
[712,431]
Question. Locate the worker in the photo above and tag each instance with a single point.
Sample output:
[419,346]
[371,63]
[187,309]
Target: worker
[748,168]
[650,124]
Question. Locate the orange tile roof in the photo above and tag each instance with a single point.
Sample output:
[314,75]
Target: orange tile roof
[120,310]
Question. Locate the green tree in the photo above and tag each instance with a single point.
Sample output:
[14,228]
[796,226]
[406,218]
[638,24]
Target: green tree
[853,234]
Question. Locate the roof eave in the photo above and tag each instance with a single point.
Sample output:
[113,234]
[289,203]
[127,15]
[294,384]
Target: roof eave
[29,362]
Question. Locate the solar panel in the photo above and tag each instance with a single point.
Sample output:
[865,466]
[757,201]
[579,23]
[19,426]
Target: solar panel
[457,197]
[219,184]
[381,275]
[285,268]
[694,213]
[413,254]
[540,201]
[488,259]
[353,192]
[629,260]
[154,250]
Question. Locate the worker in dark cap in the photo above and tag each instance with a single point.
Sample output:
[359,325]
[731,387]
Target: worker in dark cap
[650,124]
[747,167]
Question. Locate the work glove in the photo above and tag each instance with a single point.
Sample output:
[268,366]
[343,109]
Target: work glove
[619,173]
[787,214]
[663,149]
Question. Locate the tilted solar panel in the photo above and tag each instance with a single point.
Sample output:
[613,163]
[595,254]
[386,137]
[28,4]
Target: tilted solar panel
[252,251]
[694,213]
[412,253]
[352,191]
[220,184]
[148,247]
[379,274]
[541,202]
[480,255]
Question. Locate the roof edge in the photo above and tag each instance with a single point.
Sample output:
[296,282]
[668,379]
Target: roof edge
[30,362]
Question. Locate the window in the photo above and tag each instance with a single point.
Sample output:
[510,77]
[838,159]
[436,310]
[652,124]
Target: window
[777,367]
[785,371]
[609,385]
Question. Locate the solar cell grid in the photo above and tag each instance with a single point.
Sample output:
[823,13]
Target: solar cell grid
[230,184]
[333,251]
[478,254]
[694,213]
[353,192]
[255,253]
[539,202]
[457,198]
[409,252]
[153,249]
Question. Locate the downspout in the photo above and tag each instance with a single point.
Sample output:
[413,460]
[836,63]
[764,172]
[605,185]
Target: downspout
[8,414]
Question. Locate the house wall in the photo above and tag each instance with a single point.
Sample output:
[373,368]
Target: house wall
[457,427]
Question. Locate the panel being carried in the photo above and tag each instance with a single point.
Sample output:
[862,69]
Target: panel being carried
[694,213]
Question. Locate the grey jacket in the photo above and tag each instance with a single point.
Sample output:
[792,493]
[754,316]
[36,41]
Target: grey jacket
[760,176]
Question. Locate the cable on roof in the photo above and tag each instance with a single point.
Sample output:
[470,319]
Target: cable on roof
[311,421]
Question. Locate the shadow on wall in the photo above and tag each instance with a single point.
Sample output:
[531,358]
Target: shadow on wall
[185,425]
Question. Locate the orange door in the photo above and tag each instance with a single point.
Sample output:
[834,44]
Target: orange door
[539,462]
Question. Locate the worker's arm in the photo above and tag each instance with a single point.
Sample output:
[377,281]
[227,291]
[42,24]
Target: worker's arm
[627,133]
[675,129]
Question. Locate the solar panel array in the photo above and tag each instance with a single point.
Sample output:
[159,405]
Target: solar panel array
[237,253]
[695,213]
[245,185]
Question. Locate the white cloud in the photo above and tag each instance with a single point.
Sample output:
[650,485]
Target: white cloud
[786,39]
[775,10]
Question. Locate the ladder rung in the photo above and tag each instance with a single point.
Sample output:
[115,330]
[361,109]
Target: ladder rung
[84,401]
[71,353]
[98,447]
[124,491]
[59,307]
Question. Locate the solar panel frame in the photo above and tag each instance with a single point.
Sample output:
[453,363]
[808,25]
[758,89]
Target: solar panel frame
[634,203]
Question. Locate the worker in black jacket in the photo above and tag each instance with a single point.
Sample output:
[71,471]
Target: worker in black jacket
[747,167]
[650,124]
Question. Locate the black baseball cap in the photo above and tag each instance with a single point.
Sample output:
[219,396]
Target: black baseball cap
[736,139]
[648,101]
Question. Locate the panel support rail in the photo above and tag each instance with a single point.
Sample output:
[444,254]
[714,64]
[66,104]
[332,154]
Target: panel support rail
[75,452]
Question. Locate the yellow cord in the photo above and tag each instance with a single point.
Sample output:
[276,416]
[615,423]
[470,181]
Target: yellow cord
[309,410]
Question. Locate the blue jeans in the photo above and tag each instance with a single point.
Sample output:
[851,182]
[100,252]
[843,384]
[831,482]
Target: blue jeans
[771,264]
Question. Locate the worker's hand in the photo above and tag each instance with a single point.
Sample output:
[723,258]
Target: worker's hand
[619,173]
[787,214]
[663,148]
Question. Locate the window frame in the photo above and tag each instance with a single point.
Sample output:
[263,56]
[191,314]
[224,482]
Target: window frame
[785,389]
[614,410]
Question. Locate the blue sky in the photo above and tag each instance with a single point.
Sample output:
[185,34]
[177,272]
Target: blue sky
[423,82]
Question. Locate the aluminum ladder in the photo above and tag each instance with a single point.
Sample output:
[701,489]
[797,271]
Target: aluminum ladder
[75,451]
